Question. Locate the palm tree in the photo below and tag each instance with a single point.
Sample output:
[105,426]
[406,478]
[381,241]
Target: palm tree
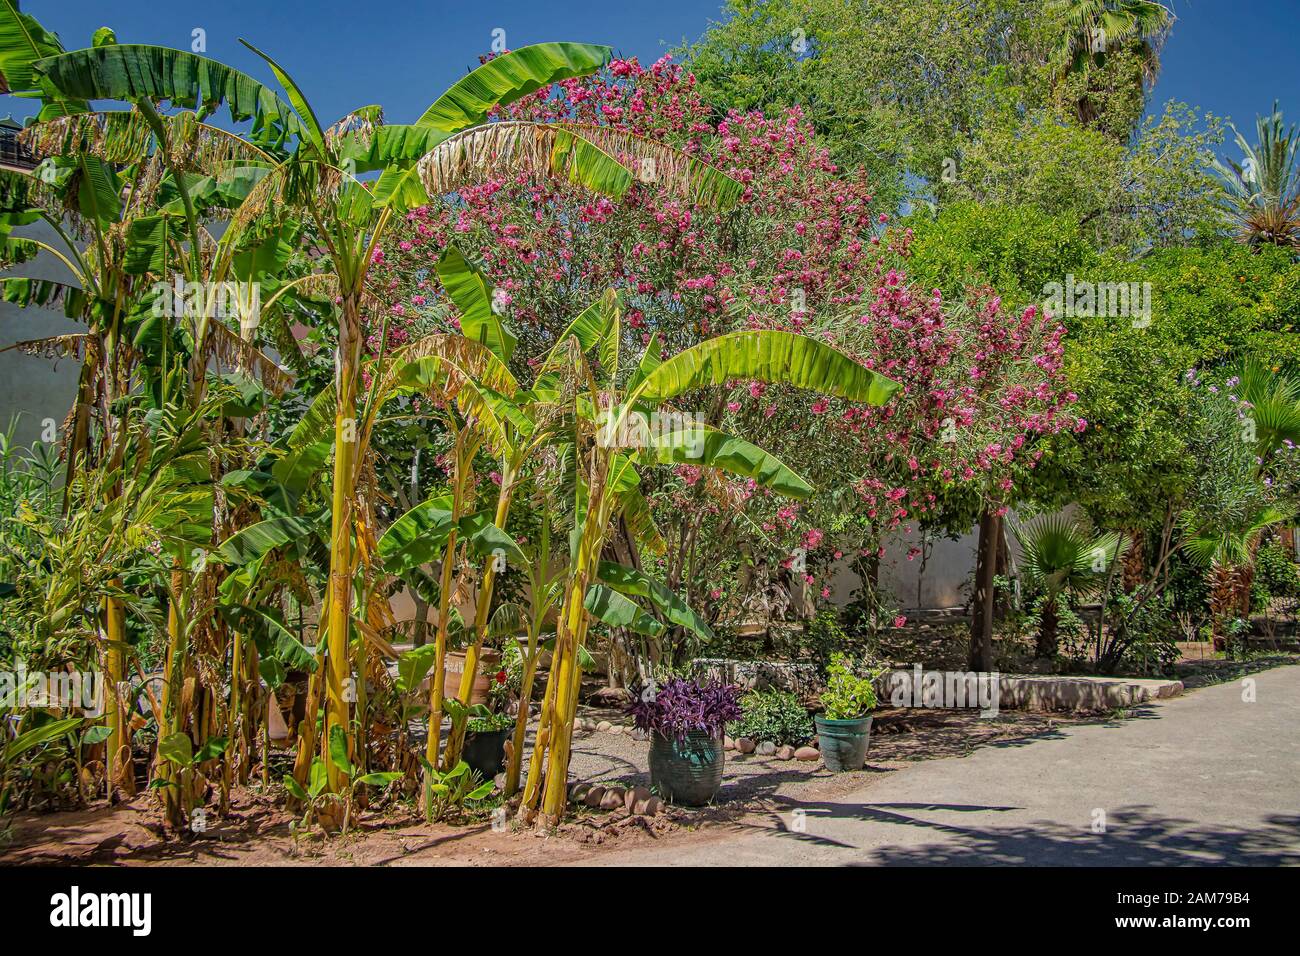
[1262,192]
[1260,416]
[1097,29]
[1273,412]
[1228,555]
[1059,556]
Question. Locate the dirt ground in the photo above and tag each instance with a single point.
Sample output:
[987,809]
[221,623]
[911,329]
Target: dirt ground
[256,830]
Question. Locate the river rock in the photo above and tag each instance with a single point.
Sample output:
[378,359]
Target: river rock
[613,799]
[594,796]
[745,746]
[807,753]
[604,725]
[766,748]
[785,753]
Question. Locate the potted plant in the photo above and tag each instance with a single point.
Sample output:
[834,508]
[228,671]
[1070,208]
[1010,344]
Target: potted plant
[844,729]
[685,720]
[485,740]
[489,663]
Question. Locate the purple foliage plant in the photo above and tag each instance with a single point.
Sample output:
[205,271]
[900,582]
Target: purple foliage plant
[681,705]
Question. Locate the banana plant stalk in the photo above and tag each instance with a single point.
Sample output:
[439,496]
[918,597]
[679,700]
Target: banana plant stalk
[543,591]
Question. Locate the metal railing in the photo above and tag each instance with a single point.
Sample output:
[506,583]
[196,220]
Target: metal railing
[12,153]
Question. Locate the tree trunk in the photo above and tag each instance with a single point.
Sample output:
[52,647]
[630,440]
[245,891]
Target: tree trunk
[121,771]
[516,758]
[1002,568]
[1047,630]
[1135,564]
[340,580]
[981,634]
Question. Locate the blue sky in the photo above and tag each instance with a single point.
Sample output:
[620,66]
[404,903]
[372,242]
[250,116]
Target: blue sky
[1230,57]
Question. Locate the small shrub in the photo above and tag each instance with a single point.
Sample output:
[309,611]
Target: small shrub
[490,723]
[847,695]
[1154,651]
[772,715]
[1260,597]
[1275,572]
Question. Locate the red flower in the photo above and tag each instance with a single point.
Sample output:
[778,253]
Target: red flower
[501,677]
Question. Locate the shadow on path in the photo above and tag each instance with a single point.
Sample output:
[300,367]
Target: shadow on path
[1134,836]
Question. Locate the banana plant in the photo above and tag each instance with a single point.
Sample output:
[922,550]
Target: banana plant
[450,145]
[315,797]
[545,587]
[130,185]
[623,420]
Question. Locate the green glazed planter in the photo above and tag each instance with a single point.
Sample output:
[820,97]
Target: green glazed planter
[844,742]
[688,772]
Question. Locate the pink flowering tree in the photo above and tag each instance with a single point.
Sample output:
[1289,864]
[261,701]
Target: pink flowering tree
[804,252]
[980,384]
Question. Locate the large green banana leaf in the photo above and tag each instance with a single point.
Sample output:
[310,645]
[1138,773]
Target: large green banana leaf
[397,146]
[257,539]
[312,131]
[97,191]
[509,77]
[699,444]
[467,287]
[506,621]
[591,325]
[627,580]
[309,444]
[273,639]
[417,537]
[43,292]
[146,246]
[651,359]
[606,604]
[413,666]
[767,356]
[131,72]
[486,540]
[635,510]
[23,41]
[400,189]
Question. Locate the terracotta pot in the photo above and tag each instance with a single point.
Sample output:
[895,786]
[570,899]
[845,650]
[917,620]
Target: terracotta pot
[489,662]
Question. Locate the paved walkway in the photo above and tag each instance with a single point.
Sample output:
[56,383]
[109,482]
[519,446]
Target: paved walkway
[1204,778]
